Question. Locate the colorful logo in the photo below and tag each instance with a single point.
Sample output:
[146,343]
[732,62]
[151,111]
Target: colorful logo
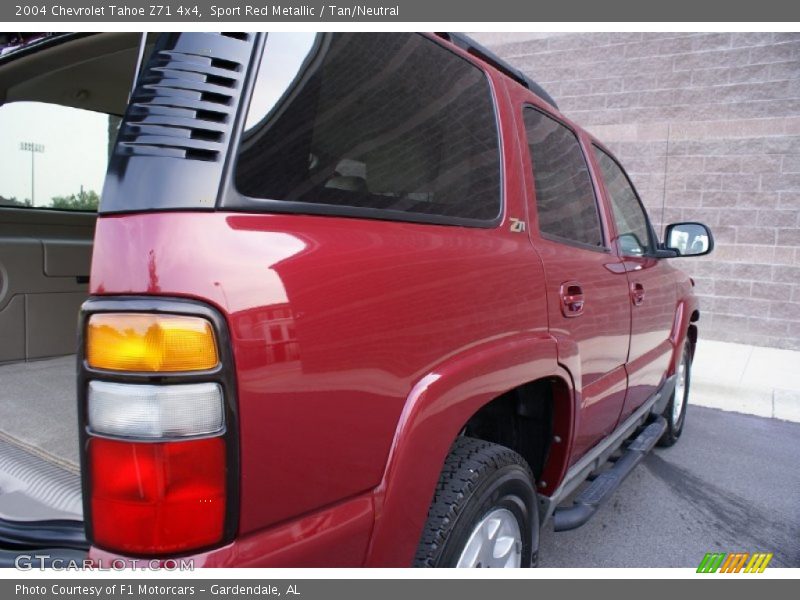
[714,562]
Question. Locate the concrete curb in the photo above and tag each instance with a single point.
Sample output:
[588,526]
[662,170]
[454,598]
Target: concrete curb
[747,379]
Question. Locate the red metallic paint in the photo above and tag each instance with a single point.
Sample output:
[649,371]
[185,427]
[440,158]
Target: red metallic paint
[593,346]
[688,305]
[362,347]
[437,408]
[333,537]
[651,324]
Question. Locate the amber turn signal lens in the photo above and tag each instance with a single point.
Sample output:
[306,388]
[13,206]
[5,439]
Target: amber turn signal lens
[144,342]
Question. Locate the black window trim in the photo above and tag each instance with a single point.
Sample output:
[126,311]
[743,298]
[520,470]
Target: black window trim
[233,200]
[652,241]
[605,248]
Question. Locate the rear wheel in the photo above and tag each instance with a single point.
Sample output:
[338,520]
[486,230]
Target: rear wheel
[675,412]
[484,511]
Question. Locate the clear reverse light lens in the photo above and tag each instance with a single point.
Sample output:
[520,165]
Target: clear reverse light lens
[155,411]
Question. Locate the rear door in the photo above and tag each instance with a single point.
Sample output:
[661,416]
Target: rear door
[651,282]
[587,291]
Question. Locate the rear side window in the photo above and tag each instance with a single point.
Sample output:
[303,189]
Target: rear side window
[392,125]
[565,200]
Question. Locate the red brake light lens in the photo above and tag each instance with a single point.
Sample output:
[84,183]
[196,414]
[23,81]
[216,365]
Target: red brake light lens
[151,498]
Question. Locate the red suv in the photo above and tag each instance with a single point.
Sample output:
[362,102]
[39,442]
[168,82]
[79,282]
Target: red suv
[366,300]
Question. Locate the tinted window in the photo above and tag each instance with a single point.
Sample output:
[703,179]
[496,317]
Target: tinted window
[565,201]
[53,156]
[372,121]
[629,216]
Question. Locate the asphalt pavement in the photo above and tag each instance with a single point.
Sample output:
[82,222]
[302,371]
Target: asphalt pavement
[730,484]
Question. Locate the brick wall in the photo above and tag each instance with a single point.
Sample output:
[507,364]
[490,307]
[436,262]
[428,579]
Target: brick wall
[708,127]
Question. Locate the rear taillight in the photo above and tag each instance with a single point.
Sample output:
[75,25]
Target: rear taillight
[157,498]
[155,411]
[157,450]
[157,343]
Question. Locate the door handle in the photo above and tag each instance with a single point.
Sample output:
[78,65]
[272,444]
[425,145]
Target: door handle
[637,294]
[572,299]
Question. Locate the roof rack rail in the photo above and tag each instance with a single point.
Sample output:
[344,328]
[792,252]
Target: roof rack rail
[470,46]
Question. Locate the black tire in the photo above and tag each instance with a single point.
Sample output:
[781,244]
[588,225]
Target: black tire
[675,423]
[478,477]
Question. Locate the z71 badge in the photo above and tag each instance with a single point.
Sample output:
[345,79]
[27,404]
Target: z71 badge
[517,225]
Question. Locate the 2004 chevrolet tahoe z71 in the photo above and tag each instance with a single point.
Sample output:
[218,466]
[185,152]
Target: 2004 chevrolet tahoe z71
[355,299]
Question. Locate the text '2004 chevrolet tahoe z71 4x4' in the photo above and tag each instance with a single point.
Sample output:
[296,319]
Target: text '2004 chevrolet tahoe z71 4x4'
[355,299]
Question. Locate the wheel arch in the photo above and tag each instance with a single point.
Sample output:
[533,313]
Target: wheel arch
[692,331]
[687,314]
[441,405]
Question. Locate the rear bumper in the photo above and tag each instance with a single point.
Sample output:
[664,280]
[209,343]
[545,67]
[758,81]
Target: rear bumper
[35,544]
[334,537]
[38,534]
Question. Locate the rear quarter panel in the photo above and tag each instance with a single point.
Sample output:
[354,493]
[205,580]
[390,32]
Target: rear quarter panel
[333,321]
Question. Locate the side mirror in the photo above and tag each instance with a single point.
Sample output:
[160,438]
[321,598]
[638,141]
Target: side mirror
[689,239]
